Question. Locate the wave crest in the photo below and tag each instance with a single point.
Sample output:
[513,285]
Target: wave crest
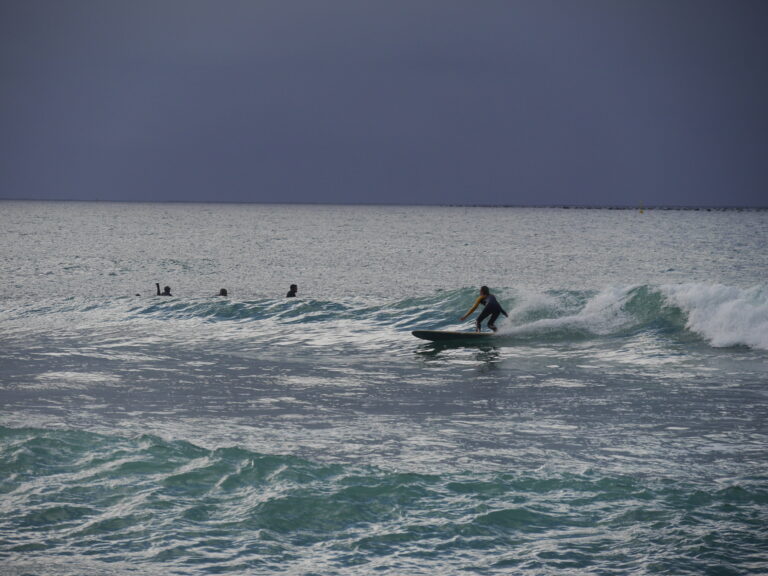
[722,315]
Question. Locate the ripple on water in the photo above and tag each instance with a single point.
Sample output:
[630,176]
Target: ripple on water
[150,501]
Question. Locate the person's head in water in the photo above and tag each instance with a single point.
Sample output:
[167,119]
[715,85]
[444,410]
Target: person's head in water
[484,290]
[223,292]
[167,290]
[292,291]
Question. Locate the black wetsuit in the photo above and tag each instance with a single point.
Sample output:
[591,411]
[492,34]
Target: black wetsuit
[492,309]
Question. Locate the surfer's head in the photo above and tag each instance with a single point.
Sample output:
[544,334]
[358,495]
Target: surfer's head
[223,292]
[294,288]
[484,290]
[167,290]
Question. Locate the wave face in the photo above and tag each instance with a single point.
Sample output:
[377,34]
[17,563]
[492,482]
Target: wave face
[723,316]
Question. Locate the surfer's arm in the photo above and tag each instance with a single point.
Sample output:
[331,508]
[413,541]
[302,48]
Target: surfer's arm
[503,311]
[157,284]
[474,307]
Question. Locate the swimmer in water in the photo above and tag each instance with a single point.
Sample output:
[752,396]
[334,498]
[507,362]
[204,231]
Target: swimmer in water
[292,291]
[223,292]
[166,291]
[492,309]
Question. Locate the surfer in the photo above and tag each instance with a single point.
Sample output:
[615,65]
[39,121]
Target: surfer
[292,291]
[223,292]
[166,291]
[492,309]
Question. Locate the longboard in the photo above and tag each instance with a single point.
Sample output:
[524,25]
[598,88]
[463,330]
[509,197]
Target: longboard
[446,335]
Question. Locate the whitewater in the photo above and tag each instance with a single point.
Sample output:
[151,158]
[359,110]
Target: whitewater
[615,424]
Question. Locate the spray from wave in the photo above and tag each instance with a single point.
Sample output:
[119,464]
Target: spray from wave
[724,316]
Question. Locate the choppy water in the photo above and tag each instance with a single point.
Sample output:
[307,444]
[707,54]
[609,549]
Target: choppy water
[616,424]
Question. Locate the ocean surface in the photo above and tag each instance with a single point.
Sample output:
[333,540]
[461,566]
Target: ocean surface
[616,424]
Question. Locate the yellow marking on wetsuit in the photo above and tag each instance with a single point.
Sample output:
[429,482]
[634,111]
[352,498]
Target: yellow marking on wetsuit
[475,305]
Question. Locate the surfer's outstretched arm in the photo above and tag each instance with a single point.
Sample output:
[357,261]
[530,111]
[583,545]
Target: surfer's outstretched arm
[157,285]
[474,307]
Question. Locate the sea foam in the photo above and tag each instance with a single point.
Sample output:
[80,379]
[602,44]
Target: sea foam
[723,315]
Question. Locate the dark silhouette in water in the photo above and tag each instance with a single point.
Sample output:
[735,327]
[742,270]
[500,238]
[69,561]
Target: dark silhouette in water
[492,309]
[166,291]
[292,291]
[223,292]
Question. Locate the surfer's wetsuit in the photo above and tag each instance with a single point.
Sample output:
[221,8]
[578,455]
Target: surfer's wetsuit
[492,309]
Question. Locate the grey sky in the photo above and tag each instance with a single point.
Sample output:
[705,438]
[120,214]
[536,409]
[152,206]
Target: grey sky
[426,101]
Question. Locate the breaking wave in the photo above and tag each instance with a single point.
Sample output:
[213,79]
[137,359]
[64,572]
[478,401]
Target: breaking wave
[723,316]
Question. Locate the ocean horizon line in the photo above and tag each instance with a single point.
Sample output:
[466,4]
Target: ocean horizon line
[560,206]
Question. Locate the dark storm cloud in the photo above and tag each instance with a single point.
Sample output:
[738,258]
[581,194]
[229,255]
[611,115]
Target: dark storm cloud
[421,101]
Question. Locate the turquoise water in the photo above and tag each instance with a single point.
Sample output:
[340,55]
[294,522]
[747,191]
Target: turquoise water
[616,423]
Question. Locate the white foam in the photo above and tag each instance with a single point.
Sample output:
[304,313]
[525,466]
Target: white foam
[532,302]
[723,315]
[602,314]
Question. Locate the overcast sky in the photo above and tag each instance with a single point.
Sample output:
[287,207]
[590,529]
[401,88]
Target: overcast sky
[414,101]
